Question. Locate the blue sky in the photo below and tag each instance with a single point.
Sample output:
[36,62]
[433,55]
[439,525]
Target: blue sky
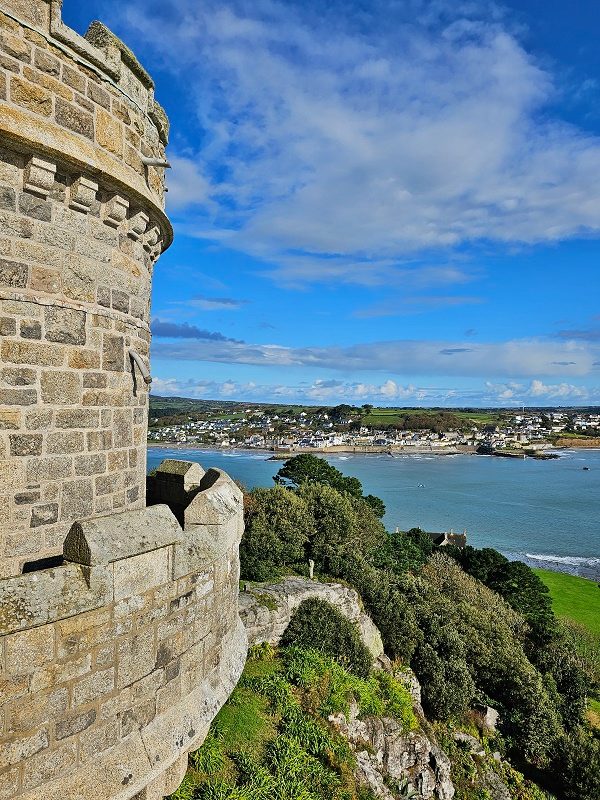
[386,202]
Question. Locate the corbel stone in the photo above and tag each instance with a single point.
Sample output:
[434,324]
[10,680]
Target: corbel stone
[138,224]
[82,194]
[115,210]
[39,176]
[151,238]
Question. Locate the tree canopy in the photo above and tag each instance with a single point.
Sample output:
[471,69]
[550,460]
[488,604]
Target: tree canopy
[474,626]
[308,468]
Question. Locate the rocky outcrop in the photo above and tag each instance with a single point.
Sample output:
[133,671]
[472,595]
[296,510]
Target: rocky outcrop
[387,757]
[266,609]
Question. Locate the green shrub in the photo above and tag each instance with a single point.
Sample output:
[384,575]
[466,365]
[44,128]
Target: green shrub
[277,529]
[578,763]
[261,652]
[344,526]
[384,596]
[397,699]
[318,625]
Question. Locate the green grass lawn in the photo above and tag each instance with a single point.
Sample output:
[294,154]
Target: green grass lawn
[574,598]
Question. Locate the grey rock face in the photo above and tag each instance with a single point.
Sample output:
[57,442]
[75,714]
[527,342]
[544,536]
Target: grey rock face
[469,742]
[405,758]
[266,623]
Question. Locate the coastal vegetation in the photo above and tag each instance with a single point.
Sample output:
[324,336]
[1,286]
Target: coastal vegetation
[475,628]
[273,739]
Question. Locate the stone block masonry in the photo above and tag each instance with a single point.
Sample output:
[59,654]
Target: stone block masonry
[119,629]
[81,225]
[114,664]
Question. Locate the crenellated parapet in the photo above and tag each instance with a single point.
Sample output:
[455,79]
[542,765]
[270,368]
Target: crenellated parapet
[116,662]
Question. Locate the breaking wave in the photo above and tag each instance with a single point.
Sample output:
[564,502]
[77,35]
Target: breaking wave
[574,560]
[586,567]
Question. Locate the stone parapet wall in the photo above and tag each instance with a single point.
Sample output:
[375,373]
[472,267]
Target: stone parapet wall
[113,665]
[87,100]
[81,225]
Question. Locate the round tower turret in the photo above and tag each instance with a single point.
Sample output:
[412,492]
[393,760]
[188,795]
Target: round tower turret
[81,224]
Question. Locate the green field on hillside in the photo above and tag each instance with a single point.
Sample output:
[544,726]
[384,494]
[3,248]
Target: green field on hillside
[163,406]
[389,416]
[574,598]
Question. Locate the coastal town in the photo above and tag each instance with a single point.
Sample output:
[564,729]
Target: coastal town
[364,429]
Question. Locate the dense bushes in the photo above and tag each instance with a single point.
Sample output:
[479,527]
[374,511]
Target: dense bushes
[578,764]
[549,645]
[480,630]
[286,529]
[492,636]
[318,625]
[516,583]
[278,528]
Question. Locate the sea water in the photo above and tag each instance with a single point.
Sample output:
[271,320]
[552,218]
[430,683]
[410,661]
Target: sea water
[546,513]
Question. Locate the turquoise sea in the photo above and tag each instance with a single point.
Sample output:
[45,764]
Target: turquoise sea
[546,513]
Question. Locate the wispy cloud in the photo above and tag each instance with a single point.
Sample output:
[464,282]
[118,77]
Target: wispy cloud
[183,330]
[404,306]
[583,334]
[333,150]
[516,358]
[206,303]
[451,351]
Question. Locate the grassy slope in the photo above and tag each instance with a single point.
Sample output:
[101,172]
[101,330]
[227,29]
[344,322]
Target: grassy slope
[574,598]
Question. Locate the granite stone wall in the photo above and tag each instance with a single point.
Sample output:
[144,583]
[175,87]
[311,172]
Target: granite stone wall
[119,629]
[113,665]
[81,225]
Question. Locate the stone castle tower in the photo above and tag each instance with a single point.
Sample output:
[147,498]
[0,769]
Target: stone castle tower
[119,629]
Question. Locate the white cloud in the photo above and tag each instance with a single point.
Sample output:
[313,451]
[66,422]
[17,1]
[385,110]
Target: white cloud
[331,146]
[557,391]
[320,391]
[512,359]
[187,185]
[538,391]
[388,393]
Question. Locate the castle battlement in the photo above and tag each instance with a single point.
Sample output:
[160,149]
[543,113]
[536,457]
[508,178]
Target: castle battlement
[119,630]
[115,663]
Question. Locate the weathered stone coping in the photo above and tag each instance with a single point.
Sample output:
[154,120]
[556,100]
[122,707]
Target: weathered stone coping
[29,296]
[105,540]
[104,558]
[209,504]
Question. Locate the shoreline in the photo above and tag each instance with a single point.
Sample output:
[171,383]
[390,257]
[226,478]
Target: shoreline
[366,450]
